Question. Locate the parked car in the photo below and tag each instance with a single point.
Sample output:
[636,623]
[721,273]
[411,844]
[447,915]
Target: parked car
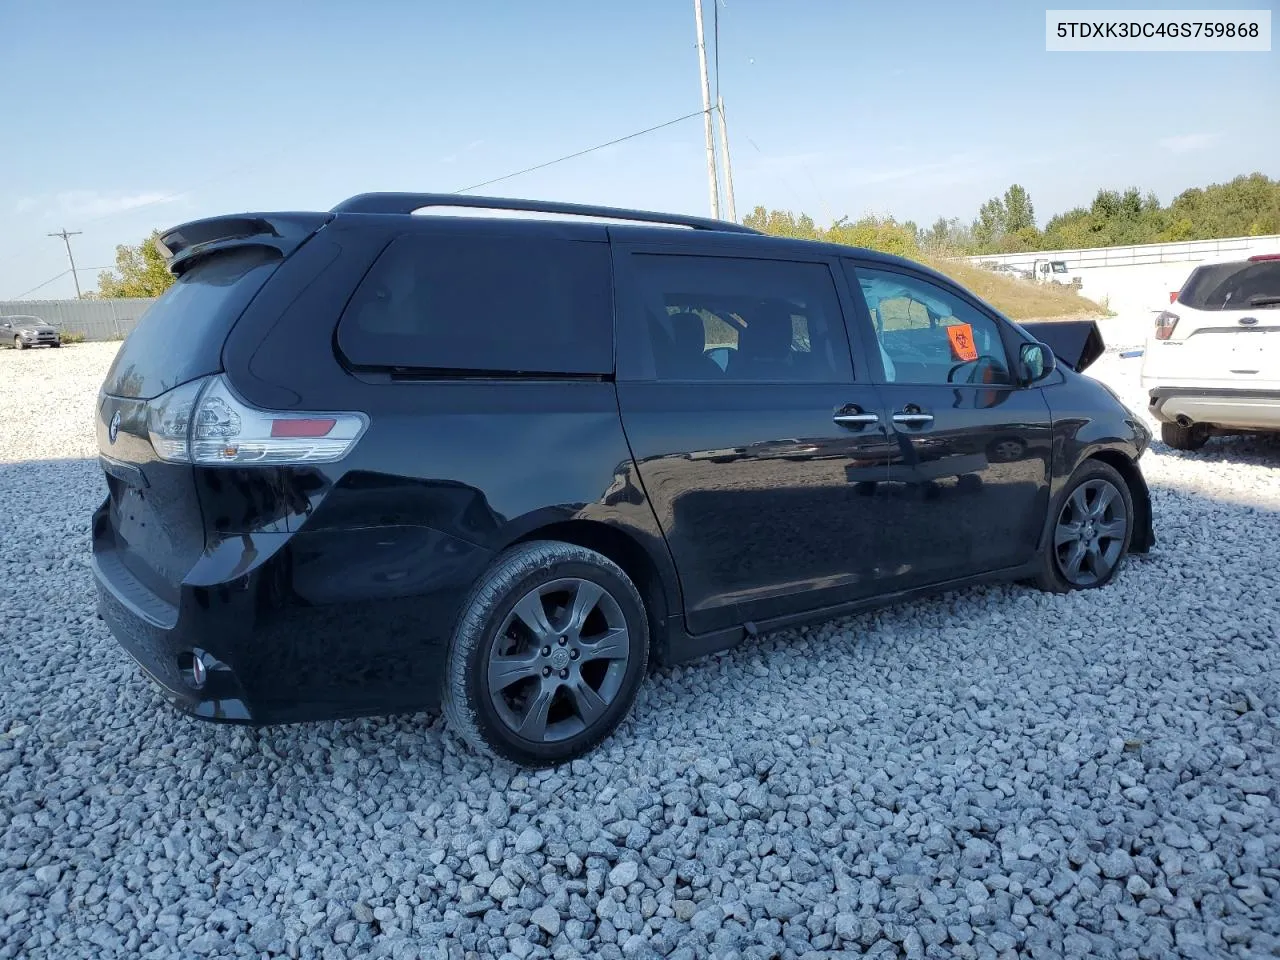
[22,332]
[1212,362]
[359,461]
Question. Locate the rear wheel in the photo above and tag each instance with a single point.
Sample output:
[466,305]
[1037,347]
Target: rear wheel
[547,656]
[1090,532]
[1184,438]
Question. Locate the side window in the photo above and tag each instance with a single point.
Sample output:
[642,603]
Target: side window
[503,304]
[928,334]
[731,319]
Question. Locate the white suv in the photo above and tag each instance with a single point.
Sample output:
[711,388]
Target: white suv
[1212,364]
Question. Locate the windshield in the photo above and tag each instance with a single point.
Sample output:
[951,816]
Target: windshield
[1233,286]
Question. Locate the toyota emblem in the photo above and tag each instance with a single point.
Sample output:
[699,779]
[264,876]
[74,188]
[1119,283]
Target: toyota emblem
[114,429]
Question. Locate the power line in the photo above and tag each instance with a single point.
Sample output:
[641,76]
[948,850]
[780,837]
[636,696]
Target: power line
[581,153]
[59,277]
[40,285]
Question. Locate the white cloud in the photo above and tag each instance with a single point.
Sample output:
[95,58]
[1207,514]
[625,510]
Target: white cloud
[1190,141]
[458,154]
[97,203]
[90,204]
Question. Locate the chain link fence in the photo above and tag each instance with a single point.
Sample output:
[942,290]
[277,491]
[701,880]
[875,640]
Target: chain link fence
[107,319]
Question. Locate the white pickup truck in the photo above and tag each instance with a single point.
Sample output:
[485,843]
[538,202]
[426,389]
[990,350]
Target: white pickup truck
[1212,363]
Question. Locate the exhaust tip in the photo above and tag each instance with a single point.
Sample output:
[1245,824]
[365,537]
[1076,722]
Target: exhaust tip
[193,668]
[1182,420]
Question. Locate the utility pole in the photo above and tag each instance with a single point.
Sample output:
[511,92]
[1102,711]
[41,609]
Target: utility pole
[728,164]
[712,185]
[66,238]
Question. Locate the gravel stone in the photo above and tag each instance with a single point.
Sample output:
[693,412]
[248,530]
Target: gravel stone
[1117,864]
[529,841]
[624,874]
[989,773]
[547,918]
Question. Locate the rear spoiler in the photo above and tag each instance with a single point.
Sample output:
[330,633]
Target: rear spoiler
[181,246]
[1075,343]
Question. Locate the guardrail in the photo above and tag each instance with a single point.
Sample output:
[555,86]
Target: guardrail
[1185,251]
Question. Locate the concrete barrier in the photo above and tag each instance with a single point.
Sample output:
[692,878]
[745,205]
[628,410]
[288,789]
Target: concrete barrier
[1139,277]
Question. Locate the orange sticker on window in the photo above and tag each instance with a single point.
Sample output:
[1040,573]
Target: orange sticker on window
[961,337]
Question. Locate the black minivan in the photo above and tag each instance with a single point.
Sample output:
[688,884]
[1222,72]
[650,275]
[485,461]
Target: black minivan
[363,462]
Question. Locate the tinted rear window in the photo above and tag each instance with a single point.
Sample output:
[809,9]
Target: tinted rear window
[484,304]
[180,336]
[1232,286]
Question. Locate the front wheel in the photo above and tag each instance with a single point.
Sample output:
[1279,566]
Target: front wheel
[18,344]
[1090,532]
[547,656]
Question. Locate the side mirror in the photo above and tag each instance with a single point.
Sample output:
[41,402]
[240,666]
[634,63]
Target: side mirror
[1037,361]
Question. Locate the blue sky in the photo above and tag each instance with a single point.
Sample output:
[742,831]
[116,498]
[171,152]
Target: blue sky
[118,118]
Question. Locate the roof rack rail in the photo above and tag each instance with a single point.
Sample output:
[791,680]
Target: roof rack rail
[409,202]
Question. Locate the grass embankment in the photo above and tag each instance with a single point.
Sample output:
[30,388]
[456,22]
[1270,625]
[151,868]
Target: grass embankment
[1019,299]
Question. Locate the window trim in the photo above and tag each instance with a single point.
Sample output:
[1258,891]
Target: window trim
[1009,337]
[634,362]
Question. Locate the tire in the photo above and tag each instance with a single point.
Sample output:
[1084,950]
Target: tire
[1184,438]
[1071,512]
[55,345]
[18,344]
[566,695]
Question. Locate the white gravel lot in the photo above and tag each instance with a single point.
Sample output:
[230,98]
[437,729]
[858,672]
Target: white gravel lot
[992,773]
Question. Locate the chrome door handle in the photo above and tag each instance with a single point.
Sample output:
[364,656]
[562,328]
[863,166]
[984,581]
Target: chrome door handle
[855,419]
[913,419]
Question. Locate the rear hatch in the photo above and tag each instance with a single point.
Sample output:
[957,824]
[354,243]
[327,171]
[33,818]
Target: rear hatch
[151,531]
[1224,326]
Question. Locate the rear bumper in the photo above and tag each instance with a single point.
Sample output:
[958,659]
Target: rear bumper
[164,643]
[281,644]
[1222,407]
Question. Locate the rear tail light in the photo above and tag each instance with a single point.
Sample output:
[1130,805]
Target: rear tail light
[204,422]
[1173,296]
[1165,322]
[1260,257]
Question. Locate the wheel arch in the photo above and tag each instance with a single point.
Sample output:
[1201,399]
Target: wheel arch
[657,586]
[1143,535]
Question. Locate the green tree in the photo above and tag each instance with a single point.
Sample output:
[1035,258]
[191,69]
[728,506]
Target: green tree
[1019,214]
[876,233]
[947,237]
[140,272]
[989,228]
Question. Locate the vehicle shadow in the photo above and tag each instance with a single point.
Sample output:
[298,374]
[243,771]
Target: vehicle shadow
[1262,449]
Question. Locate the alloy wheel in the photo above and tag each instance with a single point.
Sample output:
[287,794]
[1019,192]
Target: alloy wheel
[559,660]
[1090,534]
